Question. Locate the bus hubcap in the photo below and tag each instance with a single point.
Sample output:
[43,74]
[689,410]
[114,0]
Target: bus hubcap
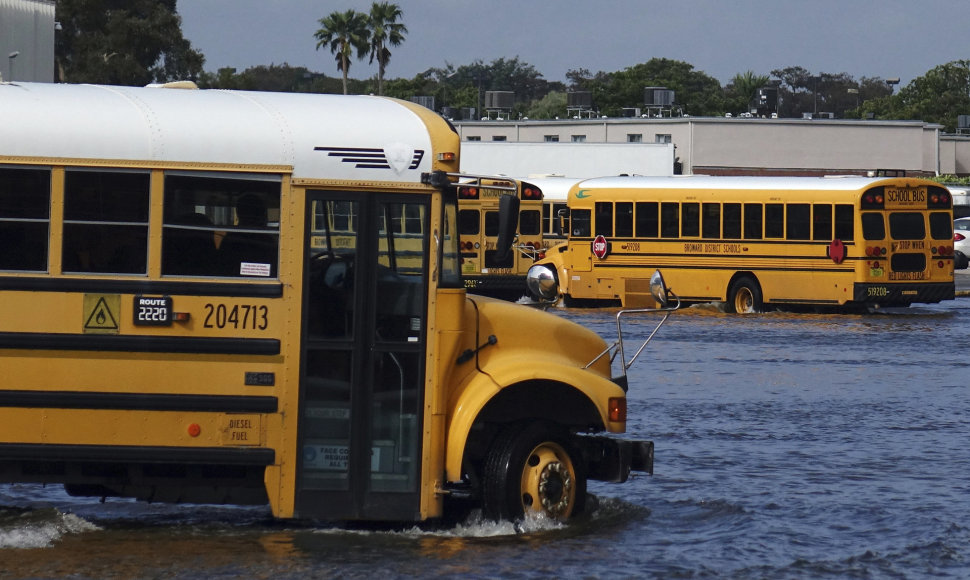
[548,478]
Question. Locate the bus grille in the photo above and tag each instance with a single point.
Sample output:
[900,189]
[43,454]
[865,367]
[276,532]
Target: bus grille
[908,262]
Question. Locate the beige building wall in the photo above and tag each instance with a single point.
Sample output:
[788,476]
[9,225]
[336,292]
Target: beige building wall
[955,155]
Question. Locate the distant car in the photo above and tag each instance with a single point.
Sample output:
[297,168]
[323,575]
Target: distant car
[961,243]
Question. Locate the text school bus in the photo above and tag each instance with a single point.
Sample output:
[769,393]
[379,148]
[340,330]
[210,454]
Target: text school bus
[755,242]
[218,296]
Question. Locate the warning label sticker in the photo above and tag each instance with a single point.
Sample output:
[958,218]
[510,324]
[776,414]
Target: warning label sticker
[101,313]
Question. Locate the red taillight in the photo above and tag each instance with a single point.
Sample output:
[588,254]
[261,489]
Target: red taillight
[617,411]
[958,237]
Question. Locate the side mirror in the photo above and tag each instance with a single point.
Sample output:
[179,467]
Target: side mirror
[658,288]
[562,217]
[508,222]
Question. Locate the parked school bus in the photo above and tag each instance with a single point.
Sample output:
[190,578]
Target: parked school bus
[486,268]
[755,242]
[255,298]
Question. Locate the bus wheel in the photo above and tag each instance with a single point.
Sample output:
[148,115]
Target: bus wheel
[744,297]
[533,469]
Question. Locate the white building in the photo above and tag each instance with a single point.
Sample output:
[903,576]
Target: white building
[27,40]
[754,146]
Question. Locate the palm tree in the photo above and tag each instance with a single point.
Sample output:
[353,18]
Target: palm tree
[384,29]
[344,32]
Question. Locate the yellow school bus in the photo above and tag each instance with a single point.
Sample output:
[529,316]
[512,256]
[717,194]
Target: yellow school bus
[488,269]
[256,298]
[755,242]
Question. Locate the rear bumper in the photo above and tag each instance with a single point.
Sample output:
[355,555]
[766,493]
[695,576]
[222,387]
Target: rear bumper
[612,460]
[896,293]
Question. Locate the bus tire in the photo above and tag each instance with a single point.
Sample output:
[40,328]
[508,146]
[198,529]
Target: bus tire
[533,468]
[744,296]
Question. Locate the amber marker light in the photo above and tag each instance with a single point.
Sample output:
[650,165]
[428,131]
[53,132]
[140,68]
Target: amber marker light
[447,156]
[617,411]
[194,430]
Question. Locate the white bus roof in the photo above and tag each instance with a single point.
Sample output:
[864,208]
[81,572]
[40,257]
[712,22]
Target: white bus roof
[319,136]
[829,183]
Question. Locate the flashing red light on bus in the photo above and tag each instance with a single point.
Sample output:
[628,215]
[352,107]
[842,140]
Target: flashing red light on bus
[530,192]
[468,193]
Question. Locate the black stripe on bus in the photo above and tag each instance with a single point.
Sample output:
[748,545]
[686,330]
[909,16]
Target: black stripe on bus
[138,402]
[122,343]
[104,286]
[138,454]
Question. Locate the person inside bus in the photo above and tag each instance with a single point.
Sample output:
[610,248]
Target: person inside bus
[190,252]
[249,253]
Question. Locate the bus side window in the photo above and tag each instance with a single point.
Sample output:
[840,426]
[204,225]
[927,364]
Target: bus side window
[690,220]
[774,220]
[624,219]
[711,220]
[604,218]
[647,224]
[247,250]
[669,220]
[189,246]
[25,200]
[845,222]
[200,233]
[106,222]
[752,221]
[798,221]
[731,223]
[580,223]
[822,222]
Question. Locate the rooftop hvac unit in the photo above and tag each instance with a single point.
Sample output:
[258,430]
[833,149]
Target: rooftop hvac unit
[630,112]
[449,112]
[499,99]
[579,100]
[658,96]
[963,121]
[427,102]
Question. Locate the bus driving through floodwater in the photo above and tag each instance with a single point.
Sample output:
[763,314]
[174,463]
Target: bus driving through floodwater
[213,296]
[839,242]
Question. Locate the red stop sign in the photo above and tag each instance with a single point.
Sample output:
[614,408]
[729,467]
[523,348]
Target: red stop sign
[600,247]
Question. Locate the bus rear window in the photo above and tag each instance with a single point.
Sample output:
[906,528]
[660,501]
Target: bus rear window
[25,201]
[907,226]
[530,223]
[468,222]
[941,226]
[873,226]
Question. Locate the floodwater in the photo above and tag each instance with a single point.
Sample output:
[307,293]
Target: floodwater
[787,446]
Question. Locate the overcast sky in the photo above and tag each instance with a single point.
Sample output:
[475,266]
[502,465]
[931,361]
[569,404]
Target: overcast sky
[864,38]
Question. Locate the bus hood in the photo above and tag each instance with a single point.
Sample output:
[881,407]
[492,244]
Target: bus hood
[504,327]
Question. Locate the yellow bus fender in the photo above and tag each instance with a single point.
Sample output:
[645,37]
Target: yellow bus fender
[482,387]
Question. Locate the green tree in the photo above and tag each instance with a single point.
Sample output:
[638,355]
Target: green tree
[548,107]
[344,33]
[123,42]
[278,78]
[384,30]
[740,92]
[695,92]
[939,96]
